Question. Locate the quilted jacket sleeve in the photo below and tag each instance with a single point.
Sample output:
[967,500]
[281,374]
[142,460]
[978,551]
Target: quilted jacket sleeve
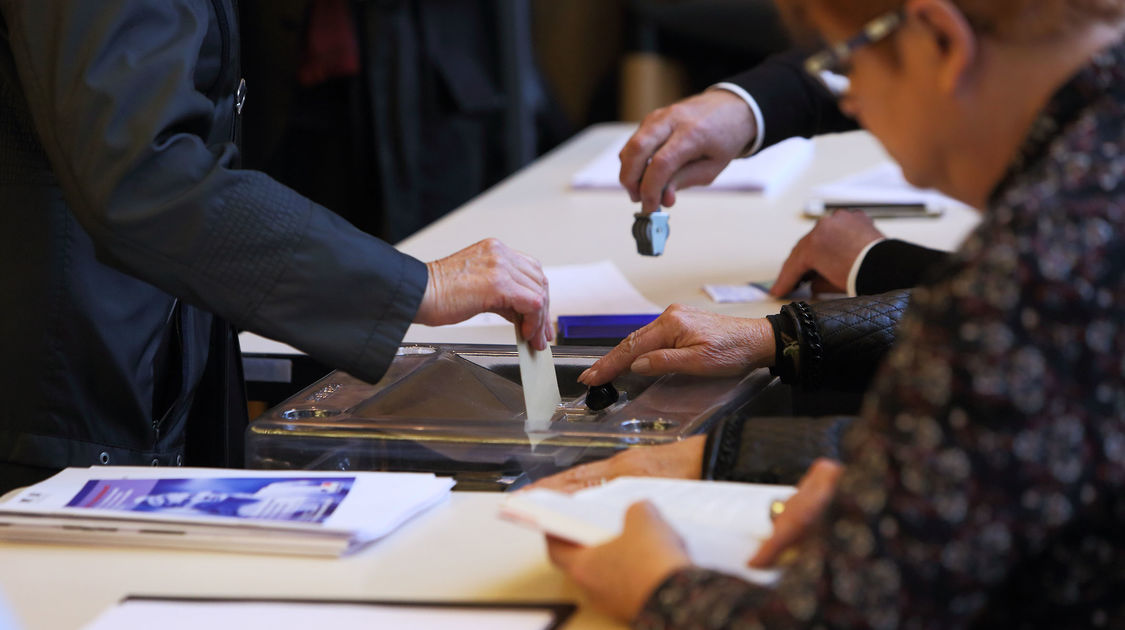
[834,345]
[837,344]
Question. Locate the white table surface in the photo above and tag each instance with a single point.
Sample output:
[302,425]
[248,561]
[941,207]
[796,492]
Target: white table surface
[460,550]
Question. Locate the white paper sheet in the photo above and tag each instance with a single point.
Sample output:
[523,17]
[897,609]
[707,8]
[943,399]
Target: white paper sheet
[722,524]
[767,172]
[736,293]
[181,615]
[585,289]
[881,184]
[540,385]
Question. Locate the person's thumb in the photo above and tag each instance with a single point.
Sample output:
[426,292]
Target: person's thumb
[641,513]
[792,273]
[771,549]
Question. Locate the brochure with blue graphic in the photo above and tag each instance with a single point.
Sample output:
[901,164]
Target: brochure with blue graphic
[300,512]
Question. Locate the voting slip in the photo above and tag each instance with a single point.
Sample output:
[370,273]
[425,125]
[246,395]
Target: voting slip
[722,524]
[250,511]
[144,613]
[540,384]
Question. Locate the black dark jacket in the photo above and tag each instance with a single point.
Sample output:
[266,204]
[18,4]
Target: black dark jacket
[126,223]
[793,103]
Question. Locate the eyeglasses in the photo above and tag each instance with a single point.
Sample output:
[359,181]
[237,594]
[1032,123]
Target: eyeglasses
[829,66]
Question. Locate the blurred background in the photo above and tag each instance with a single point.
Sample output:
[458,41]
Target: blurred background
[394,112]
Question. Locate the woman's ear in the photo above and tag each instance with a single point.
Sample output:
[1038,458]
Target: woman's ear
[954,41]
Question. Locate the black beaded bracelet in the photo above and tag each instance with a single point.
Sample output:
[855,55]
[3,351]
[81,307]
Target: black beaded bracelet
[720,453]
[786,358]
[812,350]
[711,451]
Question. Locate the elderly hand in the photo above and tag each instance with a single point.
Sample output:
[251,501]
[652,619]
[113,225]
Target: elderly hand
[688,341]
[802,511]
[621,575]
[685,144]
[679,460]
[829,251]
[489,277]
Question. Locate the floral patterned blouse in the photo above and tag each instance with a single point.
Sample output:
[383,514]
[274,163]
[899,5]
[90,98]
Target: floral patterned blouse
[985,485]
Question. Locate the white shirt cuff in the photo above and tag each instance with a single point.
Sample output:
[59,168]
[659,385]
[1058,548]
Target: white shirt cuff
[755,111]
[853,275]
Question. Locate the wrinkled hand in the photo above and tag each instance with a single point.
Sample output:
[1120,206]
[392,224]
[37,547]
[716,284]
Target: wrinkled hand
[685,144]
[828,251]
[802,511]
[679,460]
[688,341]
[621,575]
[489,277]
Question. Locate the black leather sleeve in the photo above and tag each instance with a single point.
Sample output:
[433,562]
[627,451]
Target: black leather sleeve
[771,450]
[793,103]
[894,264]
[836,344]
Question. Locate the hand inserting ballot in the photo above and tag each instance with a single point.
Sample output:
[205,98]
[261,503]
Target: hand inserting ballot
[489,277]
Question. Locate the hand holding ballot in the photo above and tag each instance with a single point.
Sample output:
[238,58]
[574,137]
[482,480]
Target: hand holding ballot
[489,277]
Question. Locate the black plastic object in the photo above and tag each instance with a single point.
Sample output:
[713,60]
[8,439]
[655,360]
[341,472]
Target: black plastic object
[601,396]
[651,232]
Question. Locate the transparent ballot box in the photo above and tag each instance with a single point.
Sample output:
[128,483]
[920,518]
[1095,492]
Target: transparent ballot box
[459,410]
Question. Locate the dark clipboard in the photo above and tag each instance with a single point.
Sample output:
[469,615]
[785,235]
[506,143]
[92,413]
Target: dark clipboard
[561,611]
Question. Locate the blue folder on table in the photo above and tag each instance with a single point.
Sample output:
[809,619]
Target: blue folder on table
[599,330]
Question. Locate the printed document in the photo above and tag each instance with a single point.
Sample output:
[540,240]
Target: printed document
[263,511]
[721,523]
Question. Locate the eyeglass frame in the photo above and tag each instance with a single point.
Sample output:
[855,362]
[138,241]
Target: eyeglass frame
[834,59]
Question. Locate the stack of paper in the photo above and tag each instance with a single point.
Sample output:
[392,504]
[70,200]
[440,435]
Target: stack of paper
[880,184]
[144,613]
[766,172]
[255,511]
[722,524]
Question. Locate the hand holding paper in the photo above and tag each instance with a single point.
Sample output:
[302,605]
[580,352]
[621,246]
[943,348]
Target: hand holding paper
[620,575]
[488,277]
[721,524]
